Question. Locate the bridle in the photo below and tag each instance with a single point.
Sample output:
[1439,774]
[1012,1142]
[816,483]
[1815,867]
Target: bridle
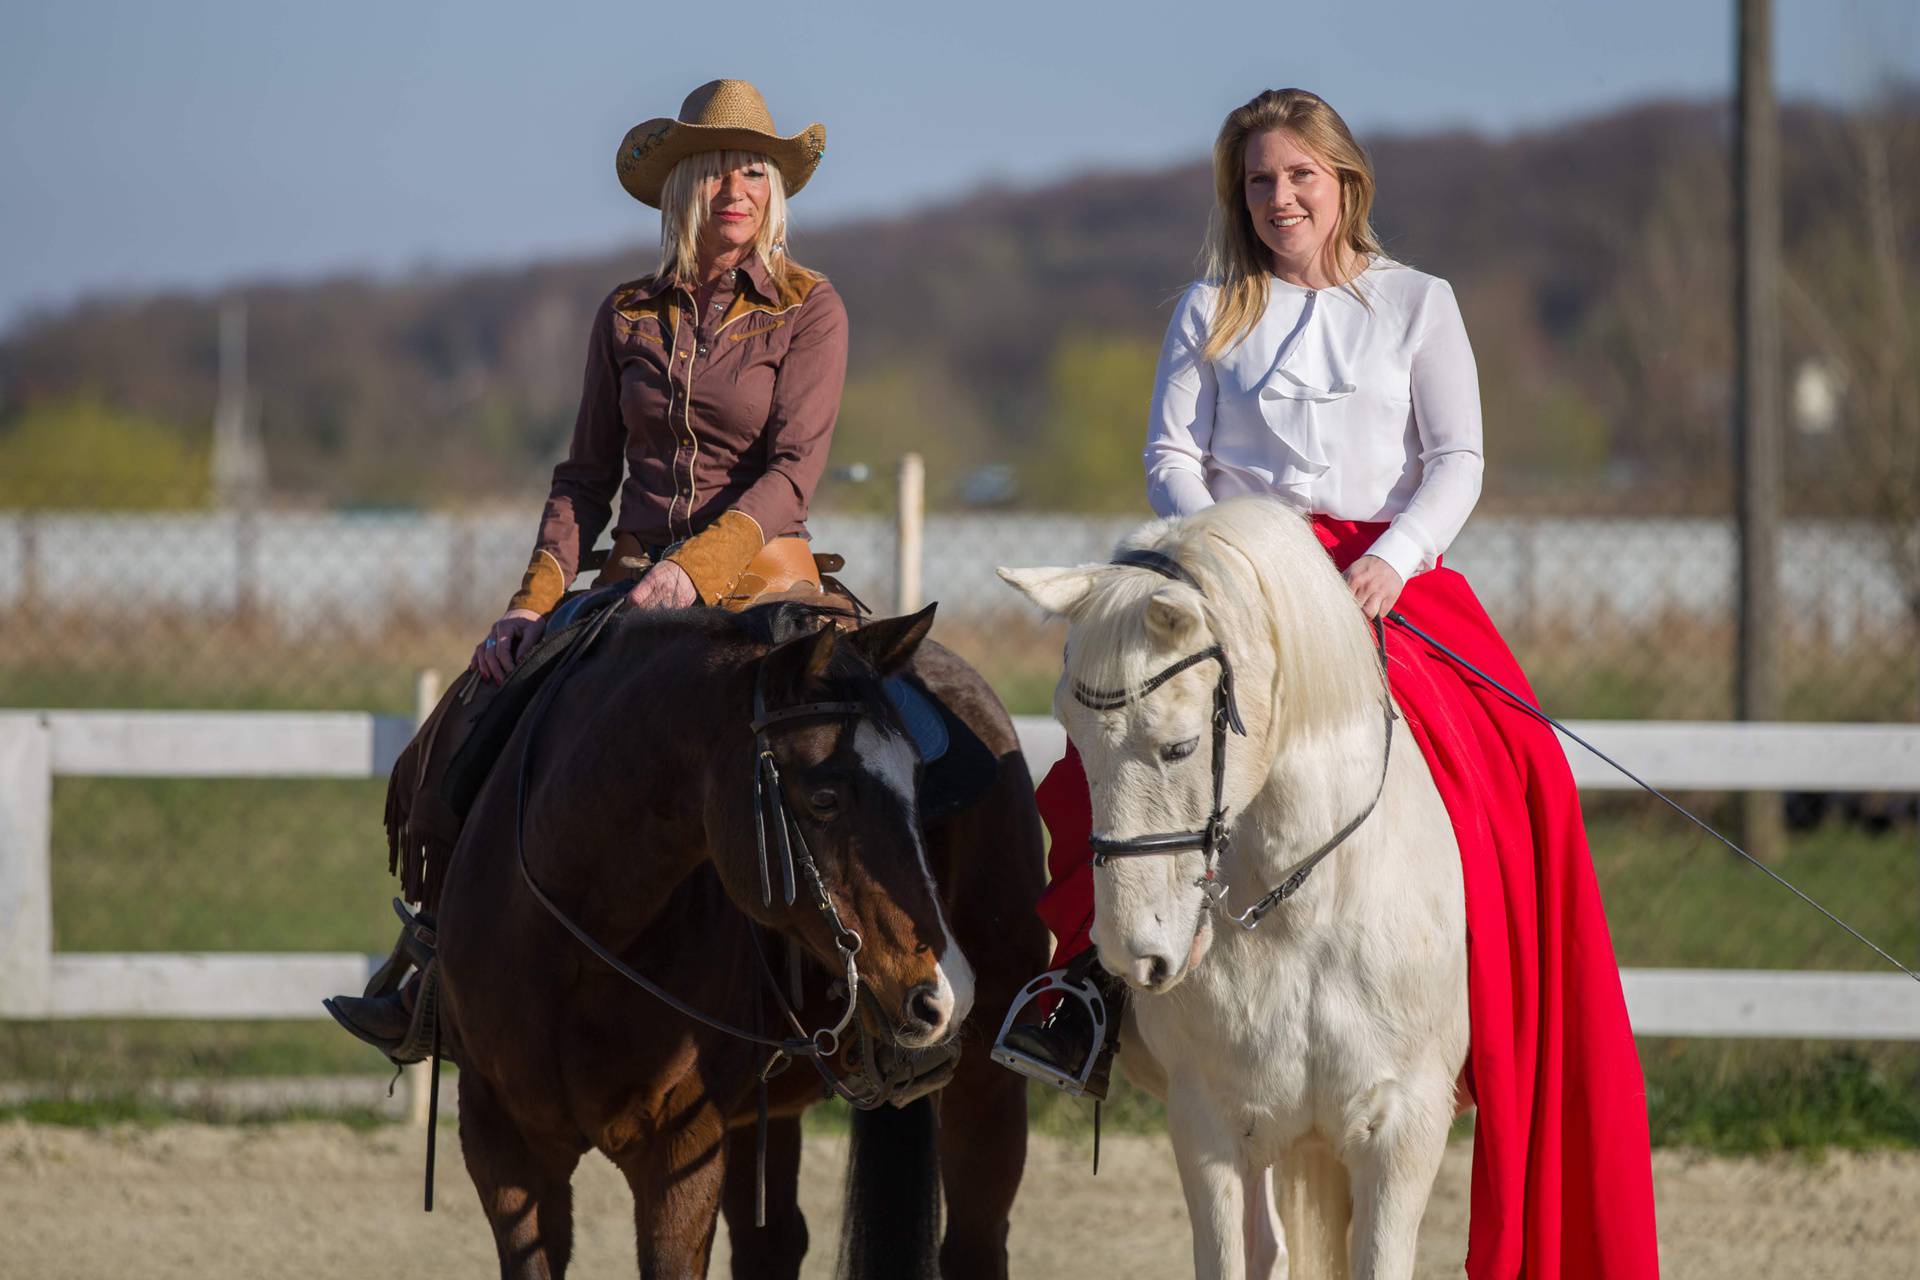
[796,864]
[1215,838]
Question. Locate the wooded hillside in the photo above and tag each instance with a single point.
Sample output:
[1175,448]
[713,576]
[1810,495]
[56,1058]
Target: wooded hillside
[1592,260]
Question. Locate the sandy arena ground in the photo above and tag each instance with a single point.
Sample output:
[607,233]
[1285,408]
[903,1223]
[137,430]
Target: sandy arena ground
[295,1200]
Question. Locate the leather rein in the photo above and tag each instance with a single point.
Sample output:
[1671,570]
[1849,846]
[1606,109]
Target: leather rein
[1215,838]
[796,863]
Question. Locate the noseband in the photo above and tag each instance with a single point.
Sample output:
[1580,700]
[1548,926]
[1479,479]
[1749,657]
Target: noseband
[1216,837]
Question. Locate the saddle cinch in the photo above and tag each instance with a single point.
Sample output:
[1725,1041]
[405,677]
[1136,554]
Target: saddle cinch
[437,776]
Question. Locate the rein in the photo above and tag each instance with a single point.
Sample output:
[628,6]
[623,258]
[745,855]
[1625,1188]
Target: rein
[1216,837]
[1526,705]
[815,1046]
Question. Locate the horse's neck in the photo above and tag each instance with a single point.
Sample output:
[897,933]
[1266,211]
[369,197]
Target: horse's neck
[1320,779]
[630,831]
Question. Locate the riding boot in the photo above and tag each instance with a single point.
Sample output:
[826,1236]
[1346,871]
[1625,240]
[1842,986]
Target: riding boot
[401,1004]
[382,1020]
[1064,1039]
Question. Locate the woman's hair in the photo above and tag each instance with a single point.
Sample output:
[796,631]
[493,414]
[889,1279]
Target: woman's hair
[1234,257]
[683,212]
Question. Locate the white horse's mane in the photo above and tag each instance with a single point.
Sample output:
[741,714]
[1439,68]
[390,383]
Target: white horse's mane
[1267,582]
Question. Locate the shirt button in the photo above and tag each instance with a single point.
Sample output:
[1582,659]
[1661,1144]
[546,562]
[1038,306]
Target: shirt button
[703,351]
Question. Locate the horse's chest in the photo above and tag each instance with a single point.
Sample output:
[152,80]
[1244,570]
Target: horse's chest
[1283,1041]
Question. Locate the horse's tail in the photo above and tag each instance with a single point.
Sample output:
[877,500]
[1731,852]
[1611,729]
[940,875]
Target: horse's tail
[891,1227]
[1316,1203]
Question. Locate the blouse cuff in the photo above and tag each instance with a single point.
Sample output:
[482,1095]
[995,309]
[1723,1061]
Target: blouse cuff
[1402,552]
[1182,491]
[715,557]
[542,586]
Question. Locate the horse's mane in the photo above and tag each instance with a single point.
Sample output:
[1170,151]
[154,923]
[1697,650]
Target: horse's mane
[1267,582]
[726,637]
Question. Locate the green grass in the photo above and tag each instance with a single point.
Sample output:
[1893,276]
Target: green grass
[98,1111]
[220,865]
[1762,1098]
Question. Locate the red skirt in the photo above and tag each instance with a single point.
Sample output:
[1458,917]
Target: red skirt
[1562,1175]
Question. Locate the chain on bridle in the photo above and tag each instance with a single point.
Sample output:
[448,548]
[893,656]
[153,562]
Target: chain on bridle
[1215,838]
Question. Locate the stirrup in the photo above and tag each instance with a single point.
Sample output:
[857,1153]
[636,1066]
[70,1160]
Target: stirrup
[1061,982]
[413,949]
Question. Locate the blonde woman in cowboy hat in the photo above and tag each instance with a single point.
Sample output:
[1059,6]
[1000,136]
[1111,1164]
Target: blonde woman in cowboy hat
[713,382]
[708,402]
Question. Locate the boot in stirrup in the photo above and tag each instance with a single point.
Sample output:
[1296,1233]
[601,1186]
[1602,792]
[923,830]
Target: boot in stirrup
[397,1015]
[1071,1048]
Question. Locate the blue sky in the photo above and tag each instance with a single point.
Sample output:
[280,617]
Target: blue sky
[147,145]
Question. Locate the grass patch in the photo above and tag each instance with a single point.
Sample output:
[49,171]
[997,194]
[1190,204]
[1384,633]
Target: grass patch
[1765,1099]
[104,1056]
[1677,899]
[102,1111]
[148,864]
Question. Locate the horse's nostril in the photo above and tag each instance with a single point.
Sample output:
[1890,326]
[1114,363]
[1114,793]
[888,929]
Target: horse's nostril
[923,1005]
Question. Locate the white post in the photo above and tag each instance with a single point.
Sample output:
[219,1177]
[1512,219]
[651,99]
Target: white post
[910,517]
[26,894]
[426,696]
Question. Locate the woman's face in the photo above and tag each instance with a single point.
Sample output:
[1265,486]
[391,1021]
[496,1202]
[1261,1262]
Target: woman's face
[736,209]
[1293,197]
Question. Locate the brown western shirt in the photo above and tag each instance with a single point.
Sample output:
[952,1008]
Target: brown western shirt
[708,404]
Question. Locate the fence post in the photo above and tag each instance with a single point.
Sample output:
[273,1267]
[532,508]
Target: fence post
[910,509]
[26,894]
[426,696]
[1757,433]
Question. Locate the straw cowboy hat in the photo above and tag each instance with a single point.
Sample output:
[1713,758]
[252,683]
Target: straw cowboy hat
[721,115]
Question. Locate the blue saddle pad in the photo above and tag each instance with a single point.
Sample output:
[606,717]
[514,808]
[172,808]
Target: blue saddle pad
[924,723]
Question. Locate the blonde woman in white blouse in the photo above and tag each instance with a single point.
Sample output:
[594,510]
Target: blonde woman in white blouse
[1308,367]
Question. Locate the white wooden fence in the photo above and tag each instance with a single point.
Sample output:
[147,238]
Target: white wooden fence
[38,982]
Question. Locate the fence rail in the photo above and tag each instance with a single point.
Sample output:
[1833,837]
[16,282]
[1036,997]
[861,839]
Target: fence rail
[35,747]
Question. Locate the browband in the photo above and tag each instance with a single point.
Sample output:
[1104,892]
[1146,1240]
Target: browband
[1164,565]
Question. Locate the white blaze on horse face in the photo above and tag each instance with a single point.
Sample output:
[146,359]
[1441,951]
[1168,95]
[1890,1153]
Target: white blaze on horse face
[889,759]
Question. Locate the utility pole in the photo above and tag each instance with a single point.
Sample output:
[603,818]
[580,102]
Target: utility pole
[1757,443]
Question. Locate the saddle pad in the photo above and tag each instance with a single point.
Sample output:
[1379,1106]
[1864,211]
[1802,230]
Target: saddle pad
[924,723]
[964,767]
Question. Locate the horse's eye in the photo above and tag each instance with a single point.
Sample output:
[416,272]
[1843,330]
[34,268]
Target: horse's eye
[1179,750]
[825,800]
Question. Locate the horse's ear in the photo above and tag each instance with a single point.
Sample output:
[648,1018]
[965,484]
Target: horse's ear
[888,643]
[800,661]
[1173,614]
[1058,591]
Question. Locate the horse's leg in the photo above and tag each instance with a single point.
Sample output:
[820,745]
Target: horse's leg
[1212,1173]
[525,1190]
[1311,1188]
[775,1250]
[983,1152]
[1266,1251]
[1393,1170]
[676,1182]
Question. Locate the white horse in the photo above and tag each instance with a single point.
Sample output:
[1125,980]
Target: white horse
[1319,1050]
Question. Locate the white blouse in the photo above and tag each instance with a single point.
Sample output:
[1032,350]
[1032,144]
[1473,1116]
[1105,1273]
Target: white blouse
[1357,410]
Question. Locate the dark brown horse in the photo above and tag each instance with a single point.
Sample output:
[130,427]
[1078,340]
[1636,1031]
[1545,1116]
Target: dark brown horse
[634,792]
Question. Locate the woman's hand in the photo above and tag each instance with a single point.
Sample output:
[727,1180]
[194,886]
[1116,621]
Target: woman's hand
[508,641]
[665,586]
[1375,585]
